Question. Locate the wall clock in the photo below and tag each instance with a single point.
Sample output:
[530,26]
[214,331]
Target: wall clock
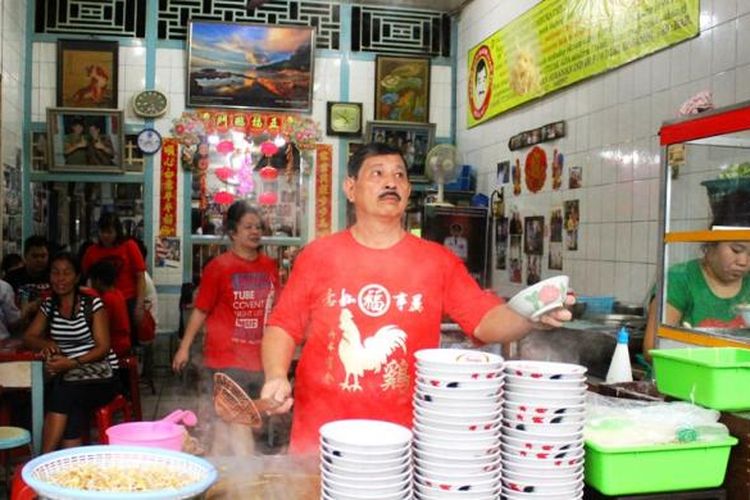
[150,103]
[149,141]
[344,118]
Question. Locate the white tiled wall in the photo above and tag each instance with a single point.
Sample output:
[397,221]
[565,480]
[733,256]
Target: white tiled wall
[12,63]
[612,120]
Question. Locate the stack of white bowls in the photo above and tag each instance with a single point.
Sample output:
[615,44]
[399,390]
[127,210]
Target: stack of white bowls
[542,438]
[365,460]
[457,416]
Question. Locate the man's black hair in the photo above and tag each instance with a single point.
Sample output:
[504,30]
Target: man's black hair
[368,151]
[35,241]
[104,273]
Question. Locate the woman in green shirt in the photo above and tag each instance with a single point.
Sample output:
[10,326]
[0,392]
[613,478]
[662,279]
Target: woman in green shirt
[703,293]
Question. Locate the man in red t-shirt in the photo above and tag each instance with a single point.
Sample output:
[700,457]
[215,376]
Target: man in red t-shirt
[363,301]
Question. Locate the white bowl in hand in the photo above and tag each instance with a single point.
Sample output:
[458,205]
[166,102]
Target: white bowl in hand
[540,298]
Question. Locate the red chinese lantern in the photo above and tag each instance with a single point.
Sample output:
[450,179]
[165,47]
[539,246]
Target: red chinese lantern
[268,148]
[225,147]
[224,173]
[268,198]
[224,198]
[268,173]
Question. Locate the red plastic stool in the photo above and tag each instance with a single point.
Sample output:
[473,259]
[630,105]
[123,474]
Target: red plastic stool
[103,415]
[19,490]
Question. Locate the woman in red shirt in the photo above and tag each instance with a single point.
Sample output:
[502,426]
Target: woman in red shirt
[234,298]
[125,255]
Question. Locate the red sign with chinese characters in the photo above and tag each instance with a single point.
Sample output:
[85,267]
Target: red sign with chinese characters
[168,189]
[323,193]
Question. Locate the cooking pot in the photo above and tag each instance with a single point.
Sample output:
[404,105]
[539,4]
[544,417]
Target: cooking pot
[578,309]
[629,320]
[627,308]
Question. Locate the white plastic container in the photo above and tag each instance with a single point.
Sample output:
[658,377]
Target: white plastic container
[620,369]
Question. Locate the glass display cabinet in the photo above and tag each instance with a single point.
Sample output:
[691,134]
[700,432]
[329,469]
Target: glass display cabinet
[703,279]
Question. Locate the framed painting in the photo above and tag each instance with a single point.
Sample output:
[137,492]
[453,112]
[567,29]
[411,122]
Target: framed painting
[413,139]
[89,140]
[87,74]
[257,66]
[402,88]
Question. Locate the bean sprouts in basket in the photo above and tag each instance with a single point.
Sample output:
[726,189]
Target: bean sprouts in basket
[92,477]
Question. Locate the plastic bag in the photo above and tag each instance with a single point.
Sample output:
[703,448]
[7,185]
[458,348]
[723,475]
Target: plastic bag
[617,422]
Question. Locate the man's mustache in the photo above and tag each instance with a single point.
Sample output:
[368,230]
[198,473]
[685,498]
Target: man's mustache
[389,193]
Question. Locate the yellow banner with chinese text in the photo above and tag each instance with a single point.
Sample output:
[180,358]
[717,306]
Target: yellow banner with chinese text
[560,42]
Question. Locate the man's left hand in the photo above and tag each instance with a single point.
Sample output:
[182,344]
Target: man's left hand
[557,317]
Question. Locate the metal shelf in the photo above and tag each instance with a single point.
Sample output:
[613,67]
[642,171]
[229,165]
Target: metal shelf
[695,337]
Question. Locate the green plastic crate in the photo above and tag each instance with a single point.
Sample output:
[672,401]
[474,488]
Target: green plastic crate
[714,377]
[658,468]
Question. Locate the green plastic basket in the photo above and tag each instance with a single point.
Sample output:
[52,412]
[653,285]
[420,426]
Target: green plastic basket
[714,377]
[653,469]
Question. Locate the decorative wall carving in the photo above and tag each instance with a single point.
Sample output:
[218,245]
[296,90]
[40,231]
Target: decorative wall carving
[374,29]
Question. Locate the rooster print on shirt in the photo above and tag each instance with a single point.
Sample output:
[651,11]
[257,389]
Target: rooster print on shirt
[252,298]
[373,354]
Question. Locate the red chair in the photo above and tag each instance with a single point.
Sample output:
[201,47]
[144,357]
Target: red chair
[130,363]
[104,416]
[19,490]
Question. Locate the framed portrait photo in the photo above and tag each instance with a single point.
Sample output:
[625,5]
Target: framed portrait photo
[87,140]
[243,65]
[413,139]
[402,88]
[87,74]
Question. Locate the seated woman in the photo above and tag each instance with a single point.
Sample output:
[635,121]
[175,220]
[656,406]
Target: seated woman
[703,293]
[71,332]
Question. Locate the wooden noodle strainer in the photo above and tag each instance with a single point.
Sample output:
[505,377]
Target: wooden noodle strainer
[234,405]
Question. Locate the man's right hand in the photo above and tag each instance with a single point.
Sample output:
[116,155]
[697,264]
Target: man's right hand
[180,359]
[278,390]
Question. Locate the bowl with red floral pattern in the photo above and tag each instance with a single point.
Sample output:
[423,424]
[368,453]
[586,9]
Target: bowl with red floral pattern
[541,298]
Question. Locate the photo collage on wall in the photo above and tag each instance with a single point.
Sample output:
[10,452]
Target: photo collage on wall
[539,168]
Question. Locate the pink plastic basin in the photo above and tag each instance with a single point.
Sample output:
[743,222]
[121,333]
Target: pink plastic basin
[159,434]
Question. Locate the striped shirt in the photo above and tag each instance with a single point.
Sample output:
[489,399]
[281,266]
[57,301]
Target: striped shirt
[73,335]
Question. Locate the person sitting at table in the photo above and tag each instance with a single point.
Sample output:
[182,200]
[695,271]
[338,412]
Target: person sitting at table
[71,332]
[703,293]
[31,281]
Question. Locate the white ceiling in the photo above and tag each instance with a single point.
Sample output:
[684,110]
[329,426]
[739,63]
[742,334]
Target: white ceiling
[450,6]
